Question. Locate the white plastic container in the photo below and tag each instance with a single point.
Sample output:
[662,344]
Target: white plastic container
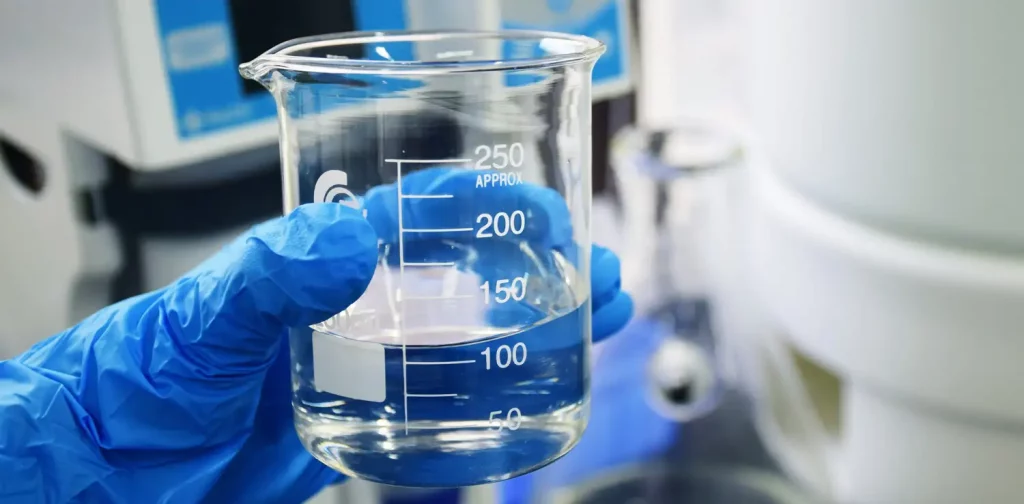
[906,115]
[892,373]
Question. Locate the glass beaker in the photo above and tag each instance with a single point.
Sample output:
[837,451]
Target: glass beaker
[466,359]
[675,189]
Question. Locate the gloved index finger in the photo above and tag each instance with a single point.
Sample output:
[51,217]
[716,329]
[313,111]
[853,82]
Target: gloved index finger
[463,205]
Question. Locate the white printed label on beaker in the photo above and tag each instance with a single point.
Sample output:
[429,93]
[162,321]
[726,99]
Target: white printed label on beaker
[348,368]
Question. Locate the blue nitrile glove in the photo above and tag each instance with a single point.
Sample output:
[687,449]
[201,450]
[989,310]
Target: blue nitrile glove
[182,395]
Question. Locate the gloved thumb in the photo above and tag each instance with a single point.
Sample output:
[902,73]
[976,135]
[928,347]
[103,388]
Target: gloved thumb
[231,312]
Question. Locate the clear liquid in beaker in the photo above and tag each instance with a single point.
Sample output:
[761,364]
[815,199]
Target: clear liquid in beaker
[464,403]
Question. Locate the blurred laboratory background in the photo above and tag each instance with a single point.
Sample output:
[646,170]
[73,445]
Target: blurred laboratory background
[816,205]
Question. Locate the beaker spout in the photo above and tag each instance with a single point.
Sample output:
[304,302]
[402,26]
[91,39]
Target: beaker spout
[258,70]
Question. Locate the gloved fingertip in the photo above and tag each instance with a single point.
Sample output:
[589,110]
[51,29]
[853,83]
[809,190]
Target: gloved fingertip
[612,317]
[604,259]
[552,204]
[605,273]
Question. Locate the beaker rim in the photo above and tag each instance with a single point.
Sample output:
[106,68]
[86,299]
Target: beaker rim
[281,56]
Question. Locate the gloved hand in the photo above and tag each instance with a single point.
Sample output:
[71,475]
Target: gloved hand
[182,395]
